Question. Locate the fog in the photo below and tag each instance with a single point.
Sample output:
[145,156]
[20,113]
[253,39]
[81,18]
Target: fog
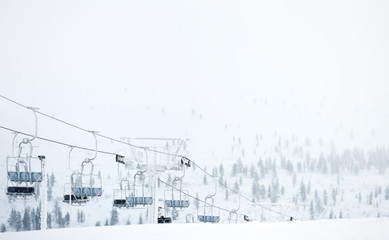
[238,68]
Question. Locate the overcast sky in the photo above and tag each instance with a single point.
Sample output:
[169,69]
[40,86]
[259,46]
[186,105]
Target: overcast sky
[68,57]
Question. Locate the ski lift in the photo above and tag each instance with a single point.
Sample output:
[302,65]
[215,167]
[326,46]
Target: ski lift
[84,186]
[182,201]
[234,212]
[189,218]
[21,183]
[120,196]
[136,199]
[211,218]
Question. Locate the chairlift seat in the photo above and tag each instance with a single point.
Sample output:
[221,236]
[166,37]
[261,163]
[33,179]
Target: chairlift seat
[97,192]
[75,199]
[76,191]
[24,177]
[120,203]
[20,191]
[177,203]
[36,177]
[13,176]
[86,191]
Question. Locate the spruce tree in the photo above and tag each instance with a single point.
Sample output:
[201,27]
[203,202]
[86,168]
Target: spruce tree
[3,228]
[12,218]
[114,217]
[311,211]
[325,197]
[18,222]
[140,219]
[49,220]
[26,220]
[67,219]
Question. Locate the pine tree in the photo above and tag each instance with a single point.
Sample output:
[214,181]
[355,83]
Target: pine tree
[303,192]
[52,179]
[128,221]
[60,220]
[226,195]
[38,218]
[331,216]
[12,219]
[26,220]
[140,219]
[33,219]
[3,228]
[325,197]
[334,193]
[18,222]
[236,186]
[67,219]
[114,217]
[205,181]
[106,222]
[311,211]
[49,220]
[387,193]
[98,224]
[221,169]
[340,214]
[49,192]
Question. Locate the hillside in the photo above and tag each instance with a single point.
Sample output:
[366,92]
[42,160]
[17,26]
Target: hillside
[375,229]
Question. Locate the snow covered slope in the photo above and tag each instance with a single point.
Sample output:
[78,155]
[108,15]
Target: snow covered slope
[325,229]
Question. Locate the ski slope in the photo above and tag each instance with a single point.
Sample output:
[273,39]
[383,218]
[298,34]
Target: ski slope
[325,229]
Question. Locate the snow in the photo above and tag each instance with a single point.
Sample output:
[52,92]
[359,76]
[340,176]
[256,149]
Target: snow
[324,229]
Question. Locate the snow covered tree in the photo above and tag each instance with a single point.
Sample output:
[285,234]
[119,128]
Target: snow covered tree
[49,220]
[3,228]
[106,222]
[236,186]
[325,197]
[114,217]
[140,219]
[226,195]
[205,181]
[334,193]
[340,214]
[387,193]
[18,222]
[221,169]
[52,179]
[49,192]
[98,224]
[331,216]
[67,219]
[12,218]
[196,201]
[303,192]
[311,211]
[26,220]
[128,221]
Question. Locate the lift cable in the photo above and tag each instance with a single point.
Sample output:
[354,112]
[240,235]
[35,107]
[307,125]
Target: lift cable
[195,198]
[97,134]
[243,196]
[57,142]
[126,143]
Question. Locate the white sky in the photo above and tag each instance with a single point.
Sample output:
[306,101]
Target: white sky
[68,57]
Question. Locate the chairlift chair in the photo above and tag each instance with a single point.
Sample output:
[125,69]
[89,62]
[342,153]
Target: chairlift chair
[209,218]
[121,195]
[21,182]
[182,201]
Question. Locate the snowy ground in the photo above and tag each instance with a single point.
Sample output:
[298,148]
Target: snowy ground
[325,229]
